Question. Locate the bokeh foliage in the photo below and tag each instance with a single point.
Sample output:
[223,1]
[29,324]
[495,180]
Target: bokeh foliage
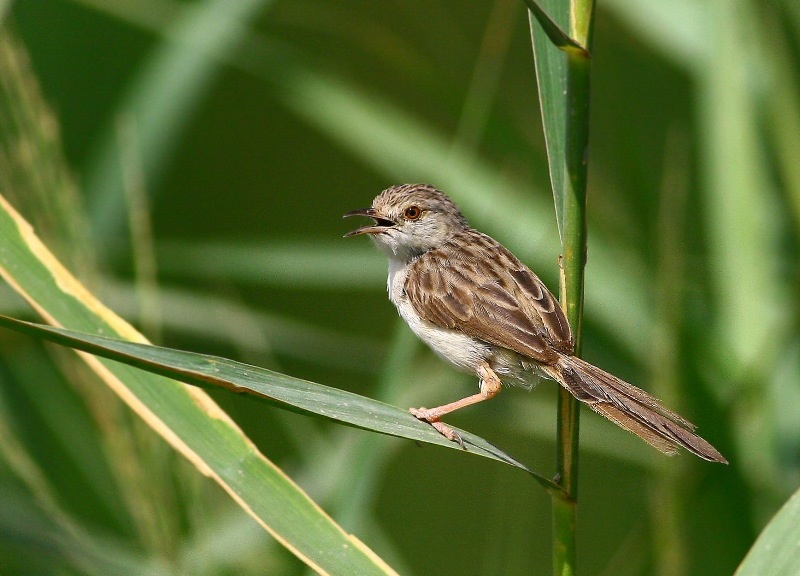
[190,161]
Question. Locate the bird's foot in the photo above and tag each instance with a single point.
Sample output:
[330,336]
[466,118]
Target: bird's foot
[432,418]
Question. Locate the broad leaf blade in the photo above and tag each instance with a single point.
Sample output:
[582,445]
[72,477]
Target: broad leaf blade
[278,389]
[551,78]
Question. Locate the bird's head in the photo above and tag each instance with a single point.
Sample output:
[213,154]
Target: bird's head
[410,219]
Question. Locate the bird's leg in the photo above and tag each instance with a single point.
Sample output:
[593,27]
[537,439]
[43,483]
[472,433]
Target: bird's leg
[490,386]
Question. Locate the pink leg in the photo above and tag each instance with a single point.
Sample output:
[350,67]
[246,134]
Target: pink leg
[490,386]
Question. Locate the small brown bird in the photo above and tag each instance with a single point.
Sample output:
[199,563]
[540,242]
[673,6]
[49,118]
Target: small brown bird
[481,309]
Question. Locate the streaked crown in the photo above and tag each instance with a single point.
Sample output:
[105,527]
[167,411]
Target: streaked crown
[424,218]
[393,202]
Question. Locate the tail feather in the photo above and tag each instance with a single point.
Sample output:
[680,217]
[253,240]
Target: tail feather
[630,408]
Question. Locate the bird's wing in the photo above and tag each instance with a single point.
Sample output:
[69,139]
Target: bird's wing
[476,286]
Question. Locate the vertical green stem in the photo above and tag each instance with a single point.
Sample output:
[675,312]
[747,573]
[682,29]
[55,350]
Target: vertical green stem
[573,263]
[562,70]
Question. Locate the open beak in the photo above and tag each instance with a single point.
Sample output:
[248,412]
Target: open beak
[380,224]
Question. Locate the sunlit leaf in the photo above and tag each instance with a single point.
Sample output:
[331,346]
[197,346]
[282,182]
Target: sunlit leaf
[278,389]
[776,551]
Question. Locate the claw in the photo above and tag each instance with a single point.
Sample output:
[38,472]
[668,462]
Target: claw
[449,433]
[432,418]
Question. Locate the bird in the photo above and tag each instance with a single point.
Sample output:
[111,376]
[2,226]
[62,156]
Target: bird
[482,310]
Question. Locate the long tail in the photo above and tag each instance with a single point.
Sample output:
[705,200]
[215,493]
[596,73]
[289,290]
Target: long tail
[630,408]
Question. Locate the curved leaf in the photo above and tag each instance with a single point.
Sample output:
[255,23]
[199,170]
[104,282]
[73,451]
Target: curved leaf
[278,389]
[776,551]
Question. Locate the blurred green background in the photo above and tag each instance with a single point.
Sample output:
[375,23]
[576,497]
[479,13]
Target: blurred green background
[191,160]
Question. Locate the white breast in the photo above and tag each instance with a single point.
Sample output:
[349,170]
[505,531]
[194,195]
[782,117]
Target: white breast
[463,351]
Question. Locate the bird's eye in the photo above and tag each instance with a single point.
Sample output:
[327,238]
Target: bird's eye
[412,213]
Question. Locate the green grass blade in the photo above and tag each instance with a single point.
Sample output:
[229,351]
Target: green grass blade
[278,389]
[187,418]
[551,74]
[775,551]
